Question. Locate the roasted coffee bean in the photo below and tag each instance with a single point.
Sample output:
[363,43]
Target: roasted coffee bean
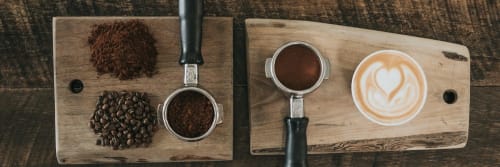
[91,124]
[130,142]
[106,117]
[123,119]
[138,111]
[103,121]
[150,128]
[112,109]
[124,107]
[106,126]
[99,112]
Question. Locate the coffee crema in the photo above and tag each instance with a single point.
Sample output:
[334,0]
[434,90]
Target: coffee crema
[389,87]
[298,67]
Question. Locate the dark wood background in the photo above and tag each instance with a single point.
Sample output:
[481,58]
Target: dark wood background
[26,69]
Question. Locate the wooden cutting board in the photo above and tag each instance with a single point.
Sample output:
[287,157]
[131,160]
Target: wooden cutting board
[75,142]
[335,125]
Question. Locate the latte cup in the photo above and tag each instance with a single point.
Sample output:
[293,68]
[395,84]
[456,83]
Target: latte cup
[389,87]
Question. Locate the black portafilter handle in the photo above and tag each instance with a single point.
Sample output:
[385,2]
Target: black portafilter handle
[296,142]
[191,18]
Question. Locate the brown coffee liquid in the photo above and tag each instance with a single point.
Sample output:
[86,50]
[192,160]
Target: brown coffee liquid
[190,114]
[297,67]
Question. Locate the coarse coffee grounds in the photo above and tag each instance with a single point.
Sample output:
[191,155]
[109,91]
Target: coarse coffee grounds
[190,114]
[125,49]
[123,119]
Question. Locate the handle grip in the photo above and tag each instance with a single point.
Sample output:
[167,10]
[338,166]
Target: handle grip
[296,142]
[191,18]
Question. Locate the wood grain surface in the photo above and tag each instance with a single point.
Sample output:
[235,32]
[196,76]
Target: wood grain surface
[26,81]
[75,142]
[335,125]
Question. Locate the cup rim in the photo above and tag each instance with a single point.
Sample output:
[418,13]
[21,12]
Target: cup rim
[399,53]
[171,97]
[323,72]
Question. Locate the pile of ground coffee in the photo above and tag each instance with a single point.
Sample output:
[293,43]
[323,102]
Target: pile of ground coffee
[190,114]
[123,119]
[125,49]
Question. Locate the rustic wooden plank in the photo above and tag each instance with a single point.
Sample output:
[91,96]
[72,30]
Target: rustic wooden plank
[27,128]
[26,27]
[335,125]
[71,58]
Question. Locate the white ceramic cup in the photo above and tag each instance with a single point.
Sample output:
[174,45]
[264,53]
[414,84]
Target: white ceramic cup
[389,87]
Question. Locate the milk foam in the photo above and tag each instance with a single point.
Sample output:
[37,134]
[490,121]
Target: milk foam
[389,88]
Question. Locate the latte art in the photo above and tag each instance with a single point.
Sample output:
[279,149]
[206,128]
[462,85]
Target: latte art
[389,87]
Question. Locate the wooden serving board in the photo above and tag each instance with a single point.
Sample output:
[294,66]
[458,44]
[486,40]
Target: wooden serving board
[335,125]
[75,142]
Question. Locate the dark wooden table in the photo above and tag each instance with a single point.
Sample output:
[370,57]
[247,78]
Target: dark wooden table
[26,69]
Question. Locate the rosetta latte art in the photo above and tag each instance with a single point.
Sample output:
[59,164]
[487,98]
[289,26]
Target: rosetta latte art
[389,88]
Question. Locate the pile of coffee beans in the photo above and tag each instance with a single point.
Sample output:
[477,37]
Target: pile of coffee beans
[190,114]
[123,119]
[125,49]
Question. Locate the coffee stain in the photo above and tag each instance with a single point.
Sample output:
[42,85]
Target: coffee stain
[278,25]
[454,56]
[190,157]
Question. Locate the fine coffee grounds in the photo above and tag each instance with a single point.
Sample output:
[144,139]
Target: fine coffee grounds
[124,48]
[190,114]
[123,119]
[297,67]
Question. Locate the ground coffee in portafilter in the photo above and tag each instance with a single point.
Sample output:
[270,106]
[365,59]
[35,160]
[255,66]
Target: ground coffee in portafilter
[190,114]
[297,67]
[125,49]
[123,119]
